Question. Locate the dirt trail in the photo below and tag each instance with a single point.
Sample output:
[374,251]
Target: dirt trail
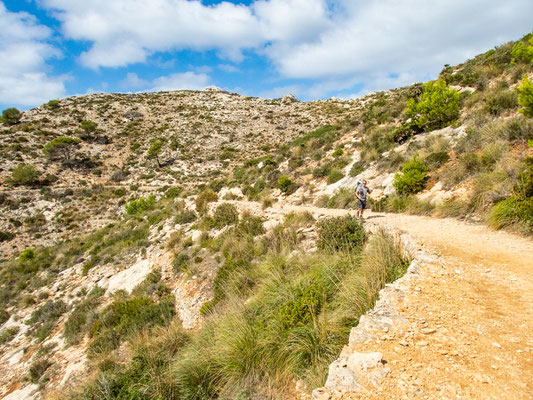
[470,331]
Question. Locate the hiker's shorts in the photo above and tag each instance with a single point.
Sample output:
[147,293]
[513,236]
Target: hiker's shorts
[362,204]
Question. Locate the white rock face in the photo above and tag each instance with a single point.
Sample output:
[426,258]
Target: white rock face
[128,278]
[27,393]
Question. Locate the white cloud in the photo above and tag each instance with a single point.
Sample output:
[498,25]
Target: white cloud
[180,81]
[23,71]
[132,80]
[228,68]
[124,31]
[336,44]
[371,40]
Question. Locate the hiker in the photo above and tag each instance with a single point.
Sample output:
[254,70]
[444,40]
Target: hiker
[361,192]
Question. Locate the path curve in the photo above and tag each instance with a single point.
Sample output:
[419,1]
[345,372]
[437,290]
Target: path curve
[476,302]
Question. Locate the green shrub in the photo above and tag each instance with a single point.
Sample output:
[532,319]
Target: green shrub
[180,263]
[341,233]
[205,197]
[43,319]
[88,126]
[523,52]
[184,217]
[285,184]
[525,97]
[25,174]
[82,317]
[173,192]
[517,210]
[436,108]
[356,169]
[342,198]
[338,153]
[38,369]
[136,207]
[62,147]
[334,176]
[501,101]
[53,104]
[4,316]
[224,215]
[6,236]
[412,179]
[7,335]
[27,255]
[11,116]
[435,160]
[124,318]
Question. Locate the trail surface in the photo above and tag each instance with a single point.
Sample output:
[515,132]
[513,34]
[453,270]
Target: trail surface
[470,331]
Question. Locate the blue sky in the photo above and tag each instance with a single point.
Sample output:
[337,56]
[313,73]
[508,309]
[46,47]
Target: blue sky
[310,48]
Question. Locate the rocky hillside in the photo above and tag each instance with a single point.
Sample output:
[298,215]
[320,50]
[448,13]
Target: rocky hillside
[148,244]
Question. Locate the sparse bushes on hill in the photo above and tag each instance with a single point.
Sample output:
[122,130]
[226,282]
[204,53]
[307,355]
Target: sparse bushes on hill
[412,178]
[11,116]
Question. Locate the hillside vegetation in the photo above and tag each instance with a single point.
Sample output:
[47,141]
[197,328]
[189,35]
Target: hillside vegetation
[127,272]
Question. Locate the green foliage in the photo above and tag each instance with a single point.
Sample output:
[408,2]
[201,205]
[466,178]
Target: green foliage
[437,106]
[517,210]
[88,126]
[342,198]
[435,160]
[341,233]
[334,176]
[11,116]
[6,236]
[412,178]
[53,104]
[285,184]
[204,198]
[501,101]
[136,207]
[173,192]
[525,97]
[37,369]
[125,317]
[44,319]
[4,316]
[27,255]
[154,150]
[180,263]
[356,169]
[82,317]
[25,174]
[224,215]
[6,335]
[337,153]
[61,147]
[523,52]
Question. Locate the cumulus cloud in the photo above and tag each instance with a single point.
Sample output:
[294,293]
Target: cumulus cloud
[373,39]
[23,71]
[189,80]
[180,81]
[328,40]
[125,31]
